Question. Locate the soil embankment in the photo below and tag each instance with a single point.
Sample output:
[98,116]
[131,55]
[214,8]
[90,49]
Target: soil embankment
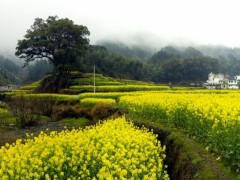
[186,159]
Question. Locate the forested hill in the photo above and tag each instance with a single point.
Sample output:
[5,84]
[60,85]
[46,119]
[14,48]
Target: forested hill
[143,51]
[8,71]
[178,64]
[220,51]
[12,72]
[195,63]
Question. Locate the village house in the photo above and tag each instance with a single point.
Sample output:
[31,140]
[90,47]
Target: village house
[8,87]
[220,81]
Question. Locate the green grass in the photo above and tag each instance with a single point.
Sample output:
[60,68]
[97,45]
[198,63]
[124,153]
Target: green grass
[80,122]
[5,116]
[42,117]
[8,122]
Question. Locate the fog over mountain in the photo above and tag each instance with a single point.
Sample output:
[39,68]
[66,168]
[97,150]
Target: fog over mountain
[152,23]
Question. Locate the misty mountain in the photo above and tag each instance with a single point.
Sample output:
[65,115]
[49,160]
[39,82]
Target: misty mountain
[176,64]
[6,77]
[8,71]
[170,52]
[191,52]
[221,52]
[170,64]
[140,51]
[183,52]
[8,65]
[12,72]
[146,51]
[182,65]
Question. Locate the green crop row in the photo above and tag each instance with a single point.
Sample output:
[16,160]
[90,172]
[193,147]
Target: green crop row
[90,102]
[120,88]
[48,96]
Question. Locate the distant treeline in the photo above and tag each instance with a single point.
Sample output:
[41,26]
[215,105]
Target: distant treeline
[169,64]
[8,71]
[12,72]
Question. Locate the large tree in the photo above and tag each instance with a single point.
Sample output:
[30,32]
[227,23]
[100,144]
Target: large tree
[58,40]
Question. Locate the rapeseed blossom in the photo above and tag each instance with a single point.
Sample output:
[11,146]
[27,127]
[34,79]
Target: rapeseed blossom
[211,117]
[114,149]
[93,101]
[3,111]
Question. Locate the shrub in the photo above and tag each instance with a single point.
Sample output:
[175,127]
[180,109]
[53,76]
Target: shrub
[2,96]
[4,114]
[102,111]
[63,110]
[25,111]
[79,122]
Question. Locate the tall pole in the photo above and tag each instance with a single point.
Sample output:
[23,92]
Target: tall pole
[94,88]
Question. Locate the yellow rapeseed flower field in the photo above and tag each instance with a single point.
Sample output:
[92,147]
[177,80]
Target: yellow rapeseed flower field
[3,111]
[93,101]
[114,149]
[212,117]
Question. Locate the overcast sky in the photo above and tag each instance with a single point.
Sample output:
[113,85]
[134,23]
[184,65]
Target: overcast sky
[215,22]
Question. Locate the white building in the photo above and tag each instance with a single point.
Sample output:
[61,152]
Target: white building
[215,78]
[220,81]
[215,81]
[233,84]
[8,87]
[237,78]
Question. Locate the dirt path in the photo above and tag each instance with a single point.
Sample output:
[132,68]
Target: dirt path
[8,135]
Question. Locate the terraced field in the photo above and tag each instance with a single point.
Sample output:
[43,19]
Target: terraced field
[209,118]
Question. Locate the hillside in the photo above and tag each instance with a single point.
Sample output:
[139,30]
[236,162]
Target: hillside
[3,79]
[9,71]
[12,72]
[77,82]
[178,65]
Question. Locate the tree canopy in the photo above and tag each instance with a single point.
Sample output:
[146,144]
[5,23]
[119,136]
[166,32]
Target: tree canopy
[58,40]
